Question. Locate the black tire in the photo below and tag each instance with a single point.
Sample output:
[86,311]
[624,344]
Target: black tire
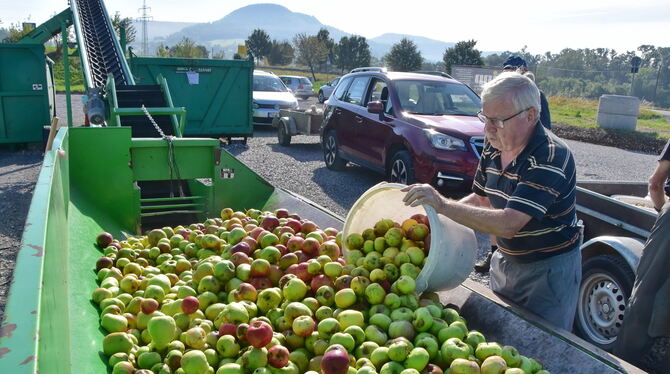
[607,282]
[321,97]
[330,152]
[283,137]
[400,169]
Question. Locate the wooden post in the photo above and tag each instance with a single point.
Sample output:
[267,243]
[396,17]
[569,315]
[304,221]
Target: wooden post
[52,133]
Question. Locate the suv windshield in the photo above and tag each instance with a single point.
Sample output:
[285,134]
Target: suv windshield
[268,83]
[437,98]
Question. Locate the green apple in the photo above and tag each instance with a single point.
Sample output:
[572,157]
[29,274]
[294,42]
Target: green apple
[365,349]
[227,346]
[474,338]
[485,350]
[450,315]
[463,366]
[402,313]
[381,320]
[328,327]
[391,367]
[429,343]
[417,359]
[406,285]
[294,290]
[230,368]
[345,298]
[351,318]
[515,371]
[392,301]
[423,320]
[526,365]
[117,342]
[380,356]
[376,334]
[344,339]
[194,362]
[357,332]
[450,332]
[162,329]
[401,328]
[399,351]
[493,365]
[455,348]
[511,356]
[375,293]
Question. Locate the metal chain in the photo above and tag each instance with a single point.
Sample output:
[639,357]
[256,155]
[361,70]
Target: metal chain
[172,162]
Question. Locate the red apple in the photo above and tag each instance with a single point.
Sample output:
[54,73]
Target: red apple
[104,239]
[149,306]
[253,244]
[227,329]
[281,213]
[308,226]
[239,258]
[241,247]
[311,247]
[320,280]
[259,334]
[190,305]
[335,361]
[294,224]
[261,283]
[270,222]
[294,244]
[255,232]
[278,356]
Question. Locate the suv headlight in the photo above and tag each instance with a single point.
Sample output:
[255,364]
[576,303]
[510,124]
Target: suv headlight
[444,142]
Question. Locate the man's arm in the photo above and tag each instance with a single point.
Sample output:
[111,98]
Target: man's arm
[476,200]
[657,183]
[499,222]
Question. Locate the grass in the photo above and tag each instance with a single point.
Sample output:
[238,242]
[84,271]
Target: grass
[583,112]
[74,88]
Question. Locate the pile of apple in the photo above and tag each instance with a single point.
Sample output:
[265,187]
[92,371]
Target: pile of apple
[270,293]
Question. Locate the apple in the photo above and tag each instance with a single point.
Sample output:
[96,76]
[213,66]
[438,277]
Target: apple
[303,326]
[455,348]
[511,356]
[493,365]
[335,361]
[463,366]
[432,369]
[190,305]
[149,306]
[259,334]
[278,356]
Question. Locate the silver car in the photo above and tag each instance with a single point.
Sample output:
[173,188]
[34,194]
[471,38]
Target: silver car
[301,86]
[327,89]
[270,94]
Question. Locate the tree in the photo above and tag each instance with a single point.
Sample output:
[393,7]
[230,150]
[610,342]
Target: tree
[162,51]
[187,48]
[281,53]
[310,51]
[324,36]
[15,32]
[259,44]
[352,52]
[117,22]
[404,56]
[463,53]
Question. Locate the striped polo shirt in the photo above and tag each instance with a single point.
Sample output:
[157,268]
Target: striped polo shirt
[540,182]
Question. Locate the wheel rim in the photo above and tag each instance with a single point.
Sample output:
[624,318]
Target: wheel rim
[320,97]
[601,308]
[399,172]
[331,150]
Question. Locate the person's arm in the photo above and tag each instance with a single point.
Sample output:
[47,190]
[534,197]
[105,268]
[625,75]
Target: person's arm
[657,183]
[499,222]
[476,200]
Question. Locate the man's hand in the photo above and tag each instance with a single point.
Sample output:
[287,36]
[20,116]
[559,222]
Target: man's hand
[657,183]
[423,194]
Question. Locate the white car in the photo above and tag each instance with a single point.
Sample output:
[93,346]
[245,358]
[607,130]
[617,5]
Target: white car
[270,94]
[327,89]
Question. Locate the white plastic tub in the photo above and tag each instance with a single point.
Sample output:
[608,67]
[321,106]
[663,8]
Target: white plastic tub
[452,245]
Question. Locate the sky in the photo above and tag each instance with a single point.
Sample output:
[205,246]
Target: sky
[541,26]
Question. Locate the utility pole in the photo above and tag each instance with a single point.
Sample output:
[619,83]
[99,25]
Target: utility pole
[144,18]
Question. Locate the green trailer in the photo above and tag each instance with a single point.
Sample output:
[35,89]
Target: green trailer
[216,93]
[52,326]
[26,93]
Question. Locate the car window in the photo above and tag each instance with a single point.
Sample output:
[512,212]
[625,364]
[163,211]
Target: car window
[437,98]
[304,80]
[334,82]
[268,83]
[342,88]
[378,86]
[356,92]
[286,80]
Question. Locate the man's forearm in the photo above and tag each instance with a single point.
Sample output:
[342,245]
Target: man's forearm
[657,183]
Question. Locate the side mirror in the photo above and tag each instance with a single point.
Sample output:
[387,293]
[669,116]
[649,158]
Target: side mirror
[375,107]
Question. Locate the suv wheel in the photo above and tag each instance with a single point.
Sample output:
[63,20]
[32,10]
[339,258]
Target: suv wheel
[607,282]
[400,168]
[330,156]
[321,97]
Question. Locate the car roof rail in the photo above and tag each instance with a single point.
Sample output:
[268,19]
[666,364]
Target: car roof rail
[369,68]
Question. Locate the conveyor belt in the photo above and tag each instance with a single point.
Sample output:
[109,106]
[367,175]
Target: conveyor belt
[101,53]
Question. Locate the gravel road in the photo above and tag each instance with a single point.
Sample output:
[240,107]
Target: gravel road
[298,168]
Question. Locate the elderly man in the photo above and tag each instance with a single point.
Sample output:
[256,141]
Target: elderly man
[644,338]
[524,195]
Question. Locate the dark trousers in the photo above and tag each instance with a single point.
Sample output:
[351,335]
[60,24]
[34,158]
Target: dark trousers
[644,339]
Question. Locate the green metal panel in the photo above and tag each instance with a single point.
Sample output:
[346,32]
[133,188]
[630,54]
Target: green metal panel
[86,186]
[24,99]
[219,104]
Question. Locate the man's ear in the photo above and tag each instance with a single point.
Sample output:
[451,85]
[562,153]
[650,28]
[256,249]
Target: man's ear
[532,115]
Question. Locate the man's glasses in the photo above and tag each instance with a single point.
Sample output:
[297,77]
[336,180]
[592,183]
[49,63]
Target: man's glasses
[497,123]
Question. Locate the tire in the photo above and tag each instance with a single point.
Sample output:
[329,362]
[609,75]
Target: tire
[283,137]
[607,282]
[330,150]
[321,97]
[400,169]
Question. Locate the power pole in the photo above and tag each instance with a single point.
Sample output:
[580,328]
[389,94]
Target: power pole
[144,18]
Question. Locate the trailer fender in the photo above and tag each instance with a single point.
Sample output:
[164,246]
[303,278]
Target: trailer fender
[630,249]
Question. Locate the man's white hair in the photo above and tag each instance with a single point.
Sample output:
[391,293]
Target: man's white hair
[522,90]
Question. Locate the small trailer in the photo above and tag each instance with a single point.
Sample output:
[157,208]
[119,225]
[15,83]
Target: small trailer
[296,122]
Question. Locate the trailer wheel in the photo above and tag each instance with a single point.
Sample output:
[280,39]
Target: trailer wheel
[607,282]
[330,150]
[282,135]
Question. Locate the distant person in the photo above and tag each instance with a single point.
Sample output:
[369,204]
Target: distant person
[515,63]
[644,339]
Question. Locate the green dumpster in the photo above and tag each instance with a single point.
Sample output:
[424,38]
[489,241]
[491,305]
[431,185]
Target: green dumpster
[26,93]
[217,94]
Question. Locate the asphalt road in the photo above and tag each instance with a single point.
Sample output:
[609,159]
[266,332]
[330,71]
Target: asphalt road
[298,168]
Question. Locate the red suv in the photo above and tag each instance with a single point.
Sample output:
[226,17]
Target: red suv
[412,127]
